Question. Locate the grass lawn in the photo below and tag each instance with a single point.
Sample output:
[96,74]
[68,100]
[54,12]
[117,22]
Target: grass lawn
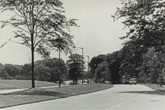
[17,84]
[38,94]
[153,86]
[80,89]
[156,87]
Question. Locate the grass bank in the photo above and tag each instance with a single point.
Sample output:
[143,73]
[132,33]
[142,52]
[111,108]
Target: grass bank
[156,87]
[43,94]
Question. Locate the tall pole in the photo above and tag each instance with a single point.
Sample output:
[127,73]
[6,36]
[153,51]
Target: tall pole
[88,68]
[82,62]
[59,73]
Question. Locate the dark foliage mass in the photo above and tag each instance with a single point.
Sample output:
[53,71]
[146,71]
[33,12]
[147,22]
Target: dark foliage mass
[142,55]
[45,70]
[130,61]
[76,67]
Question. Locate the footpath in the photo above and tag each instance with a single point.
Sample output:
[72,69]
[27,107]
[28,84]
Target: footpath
[16,90]
[11,90]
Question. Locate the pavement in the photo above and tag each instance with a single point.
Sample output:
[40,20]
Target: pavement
[120,97]
[11,90]
[67,83]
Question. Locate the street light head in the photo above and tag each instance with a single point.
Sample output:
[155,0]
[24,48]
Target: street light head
[86,55]
[79,47]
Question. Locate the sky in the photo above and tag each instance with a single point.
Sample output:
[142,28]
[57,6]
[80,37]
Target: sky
[97,34]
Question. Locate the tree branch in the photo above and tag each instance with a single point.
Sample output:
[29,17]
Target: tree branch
[3,45]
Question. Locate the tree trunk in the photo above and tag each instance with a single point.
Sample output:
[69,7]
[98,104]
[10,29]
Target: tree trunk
[32,44]
[33,83]
[32,61]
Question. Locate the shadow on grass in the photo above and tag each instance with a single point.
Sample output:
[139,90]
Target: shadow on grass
[153,92]
[65,91]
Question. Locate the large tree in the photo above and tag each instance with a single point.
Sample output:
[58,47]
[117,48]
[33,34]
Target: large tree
[145,20]
[103,73]
[38,22]
[153,66]
[74,64]
[95,61]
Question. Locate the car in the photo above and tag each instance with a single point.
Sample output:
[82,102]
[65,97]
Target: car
[132,81]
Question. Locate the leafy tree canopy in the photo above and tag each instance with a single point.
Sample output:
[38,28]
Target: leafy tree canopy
[41,19]
[74,64]
[146,21]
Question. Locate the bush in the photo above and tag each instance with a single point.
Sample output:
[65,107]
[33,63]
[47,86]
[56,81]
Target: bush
[10,77]
[20,77]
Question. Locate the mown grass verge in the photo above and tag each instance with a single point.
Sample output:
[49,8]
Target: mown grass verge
[156,87]
[38,94]
[153,86]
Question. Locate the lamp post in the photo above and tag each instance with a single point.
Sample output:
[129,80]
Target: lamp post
[88,68]
[82,62]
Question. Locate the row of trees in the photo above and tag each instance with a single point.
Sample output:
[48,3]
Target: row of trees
[9,71]
[111,67]
[145,65]
[45,70]
[49,69]
[142,55]
[145,20]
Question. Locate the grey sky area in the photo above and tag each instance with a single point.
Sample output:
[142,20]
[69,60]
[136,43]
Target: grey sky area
[97,34]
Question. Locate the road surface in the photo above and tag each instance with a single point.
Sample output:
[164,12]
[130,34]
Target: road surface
[120,97]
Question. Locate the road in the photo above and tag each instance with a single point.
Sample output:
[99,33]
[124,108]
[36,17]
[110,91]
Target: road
[120,97]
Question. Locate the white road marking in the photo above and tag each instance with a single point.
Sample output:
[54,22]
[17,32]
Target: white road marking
[128,100]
